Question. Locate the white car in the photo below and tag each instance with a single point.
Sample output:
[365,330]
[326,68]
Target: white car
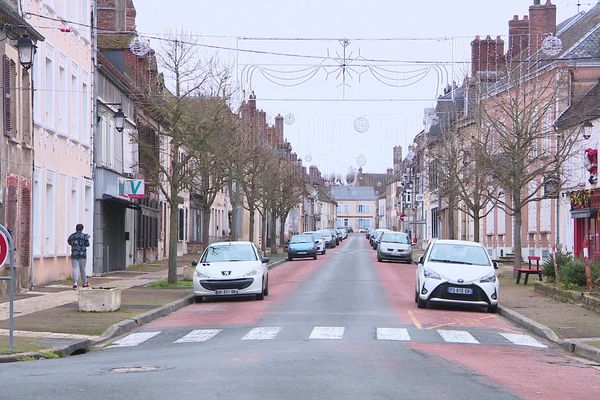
[457,272]
[319,239]
[394,246]
[231,269]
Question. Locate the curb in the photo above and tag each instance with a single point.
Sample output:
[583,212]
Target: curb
[83,346]
[572,346]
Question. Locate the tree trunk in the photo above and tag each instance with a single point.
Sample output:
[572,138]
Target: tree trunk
[235,210]
[476,227]
[451,205]
[273,233]
[173,221]
[517,234]
[263,231]
[205,227]
[282,232]
[251,223]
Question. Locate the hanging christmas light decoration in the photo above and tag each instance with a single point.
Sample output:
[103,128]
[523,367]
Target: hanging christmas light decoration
[552,46]
[361,124]
[308,158]
[140,47]
[361,160]
[289,119]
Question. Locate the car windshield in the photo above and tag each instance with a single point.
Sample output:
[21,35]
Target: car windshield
[459,254]
[231,252]
[395,237]
[302,239]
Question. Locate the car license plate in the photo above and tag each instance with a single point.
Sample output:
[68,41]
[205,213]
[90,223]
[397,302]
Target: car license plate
[302,252]
[459,290]
[226,291]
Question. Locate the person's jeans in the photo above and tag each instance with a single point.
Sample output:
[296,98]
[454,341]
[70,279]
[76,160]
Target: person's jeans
[79,267]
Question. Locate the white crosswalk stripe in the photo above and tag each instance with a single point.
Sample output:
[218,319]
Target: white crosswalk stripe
[452,336]
[199,335]
[327,332]
[523,340]
[262,333]
[337,332]
[134,339]
[392,334]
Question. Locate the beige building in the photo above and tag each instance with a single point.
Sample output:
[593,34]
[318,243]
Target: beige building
[63,193]
[356,206]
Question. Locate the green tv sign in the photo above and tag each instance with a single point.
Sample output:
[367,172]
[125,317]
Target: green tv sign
[132,188]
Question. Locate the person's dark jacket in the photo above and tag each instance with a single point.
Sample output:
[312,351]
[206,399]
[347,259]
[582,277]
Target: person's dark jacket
[79,242]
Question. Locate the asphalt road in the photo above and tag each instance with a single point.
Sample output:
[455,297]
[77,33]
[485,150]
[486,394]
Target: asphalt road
[342,327]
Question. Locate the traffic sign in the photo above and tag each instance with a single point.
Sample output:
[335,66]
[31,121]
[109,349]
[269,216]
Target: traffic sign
[3,248]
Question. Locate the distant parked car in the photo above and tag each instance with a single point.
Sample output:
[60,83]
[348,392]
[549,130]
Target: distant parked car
[376,235]
[318,240]
[231,269]
[328,237]
[394,246]
[336,238]
[301,246]
[456,272]
[343,232]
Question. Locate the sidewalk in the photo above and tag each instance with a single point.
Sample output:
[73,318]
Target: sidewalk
[48,323]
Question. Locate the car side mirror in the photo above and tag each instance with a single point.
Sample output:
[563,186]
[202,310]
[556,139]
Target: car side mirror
[495,263]
[421,260]
[316,242]
[265,260]
[194,263]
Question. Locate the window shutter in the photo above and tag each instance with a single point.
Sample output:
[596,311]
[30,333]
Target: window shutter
[6,97]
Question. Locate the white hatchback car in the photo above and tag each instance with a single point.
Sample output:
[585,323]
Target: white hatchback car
[457,272]
[231,269]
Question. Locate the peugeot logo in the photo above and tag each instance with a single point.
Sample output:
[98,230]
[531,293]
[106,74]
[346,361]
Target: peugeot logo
[460,280]
[226,273]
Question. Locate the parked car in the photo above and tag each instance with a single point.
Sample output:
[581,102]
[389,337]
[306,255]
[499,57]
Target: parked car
[394,246]
[456,272]
[336,238]
[301,246]
[328,238]
[349,229]
[318,237]
[376,235]
[368,232]
[343,232]
[231,269]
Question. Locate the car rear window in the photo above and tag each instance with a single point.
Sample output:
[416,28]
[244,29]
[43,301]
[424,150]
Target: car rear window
[232,252]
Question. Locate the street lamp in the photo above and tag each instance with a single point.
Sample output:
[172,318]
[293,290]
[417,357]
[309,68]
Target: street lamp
[586,129]
[27,50]
[119,120]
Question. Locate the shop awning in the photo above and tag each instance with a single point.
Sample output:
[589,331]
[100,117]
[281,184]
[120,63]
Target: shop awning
[583,213]
[121,201]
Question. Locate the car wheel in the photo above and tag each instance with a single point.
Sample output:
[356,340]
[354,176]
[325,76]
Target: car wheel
[198,299]
[261,295]
[315,256]
[493,309]
[420,303]
[379,259]
[266,291]
[289,258]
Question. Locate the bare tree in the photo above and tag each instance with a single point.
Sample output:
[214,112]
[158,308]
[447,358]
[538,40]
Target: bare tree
[350,176]
[517,142]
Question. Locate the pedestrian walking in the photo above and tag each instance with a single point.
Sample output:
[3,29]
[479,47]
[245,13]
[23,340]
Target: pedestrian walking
[79,242]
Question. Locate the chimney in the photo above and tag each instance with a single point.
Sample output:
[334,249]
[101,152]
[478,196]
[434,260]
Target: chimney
[518,37]
[542,22]
[279,128]
[487,54]
[252,101]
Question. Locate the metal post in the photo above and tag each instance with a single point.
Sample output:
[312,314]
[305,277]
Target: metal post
[11,279]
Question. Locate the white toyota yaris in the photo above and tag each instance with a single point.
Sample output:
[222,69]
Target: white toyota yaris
[231,269]
[457,272]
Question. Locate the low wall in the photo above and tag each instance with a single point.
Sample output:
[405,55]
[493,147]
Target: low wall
[569,296]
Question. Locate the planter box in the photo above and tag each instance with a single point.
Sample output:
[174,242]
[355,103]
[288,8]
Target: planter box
[188,273]
[99,299]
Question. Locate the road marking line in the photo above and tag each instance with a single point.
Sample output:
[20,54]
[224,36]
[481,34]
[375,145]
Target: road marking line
[439,326]
[392,334]
[457,336]
[415,320]
[488,317]
[262,333]
[327,332]
[134,339]
[198,335]
[523,340]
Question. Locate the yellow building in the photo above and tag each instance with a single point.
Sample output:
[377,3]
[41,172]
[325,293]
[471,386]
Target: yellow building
[356,206]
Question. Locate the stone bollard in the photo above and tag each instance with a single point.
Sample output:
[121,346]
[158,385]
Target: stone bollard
[188,273]
[101,299]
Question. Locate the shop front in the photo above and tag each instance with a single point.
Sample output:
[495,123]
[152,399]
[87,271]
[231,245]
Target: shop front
[584,211]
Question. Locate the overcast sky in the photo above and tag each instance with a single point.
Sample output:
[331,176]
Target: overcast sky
[400,54]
